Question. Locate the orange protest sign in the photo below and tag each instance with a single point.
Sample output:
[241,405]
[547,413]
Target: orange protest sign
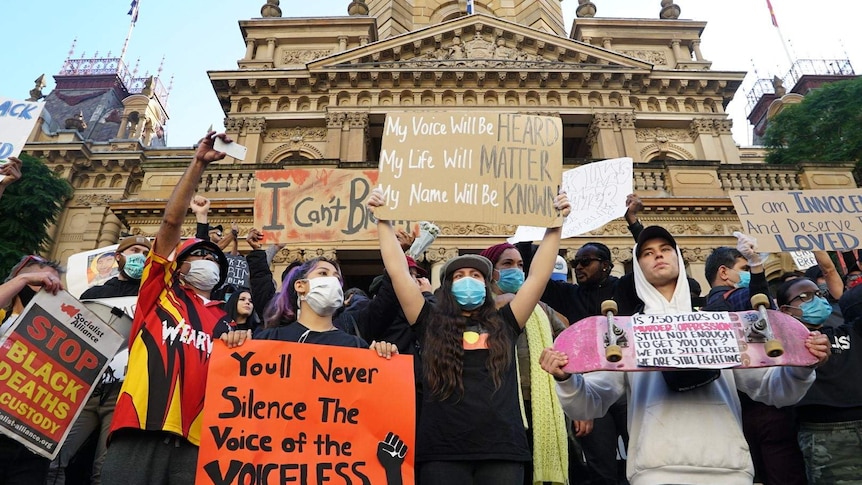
[283,412]
[317,204]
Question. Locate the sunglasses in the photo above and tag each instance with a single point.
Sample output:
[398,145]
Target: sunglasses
[584,261]
[29,260]
[806,296]
[203,252]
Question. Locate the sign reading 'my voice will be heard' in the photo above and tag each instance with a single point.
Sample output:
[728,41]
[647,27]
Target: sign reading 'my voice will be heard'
[471,167]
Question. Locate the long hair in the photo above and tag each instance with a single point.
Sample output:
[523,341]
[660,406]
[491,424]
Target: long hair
[253,321]
[443,350]
[283,308]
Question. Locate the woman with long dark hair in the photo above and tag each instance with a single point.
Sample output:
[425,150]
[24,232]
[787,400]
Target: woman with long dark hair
[470,430]
[240,310]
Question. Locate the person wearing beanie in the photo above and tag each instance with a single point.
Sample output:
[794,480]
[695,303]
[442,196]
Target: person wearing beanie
[156,429]
[470,428]
[98,411]
[546,424]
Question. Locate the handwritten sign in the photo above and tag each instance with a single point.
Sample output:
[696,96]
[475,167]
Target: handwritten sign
[801,220]
[279,412]
[302,205]
[51,358]
[597,192]
[17,119]
[237,271]
[803,259]
[686,341]
[471,167]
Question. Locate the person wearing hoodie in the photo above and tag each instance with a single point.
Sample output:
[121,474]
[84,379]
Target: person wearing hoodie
[681,431]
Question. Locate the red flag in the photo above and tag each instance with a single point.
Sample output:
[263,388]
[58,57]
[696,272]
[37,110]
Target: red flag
[772,13]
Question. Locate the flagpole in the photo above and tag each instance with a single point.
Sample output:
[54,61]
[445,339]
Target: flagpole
[134,13]
[780,35]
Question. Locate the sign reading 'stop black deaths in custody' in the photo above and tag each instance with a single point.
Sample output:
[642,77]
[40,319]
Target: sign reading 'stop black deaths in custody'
[471,167]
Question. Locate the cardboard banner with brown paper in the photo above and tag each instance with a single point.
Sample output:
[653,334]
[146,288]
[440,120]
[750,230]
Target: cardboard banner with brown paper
[471,167]
[316,204]
[801,220]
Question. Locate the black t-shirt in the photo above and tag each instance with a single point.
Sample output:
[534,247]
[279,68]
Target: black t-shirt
[297,332]
[836,394]
[483,424]
[112,288]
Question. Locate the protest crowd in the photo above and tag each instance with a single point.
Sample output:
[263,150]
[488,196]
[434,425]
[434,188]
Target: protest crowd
[493,403]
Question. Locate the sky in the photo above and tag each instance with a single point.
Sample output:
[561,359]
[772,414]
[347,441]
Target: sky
[194,36]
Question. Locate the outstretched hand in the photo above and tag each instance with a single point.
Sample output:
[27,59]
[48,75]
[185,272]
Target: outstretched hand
[205,152]
[747,245]
[235,338]
[634,205]
[561,203]
[46,279]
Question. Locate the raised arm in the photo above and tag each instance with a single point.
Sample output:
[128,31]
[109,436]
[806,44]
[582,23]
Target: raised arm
[542,267]
[830,273]
[171,228]
[409,294]
[11,171]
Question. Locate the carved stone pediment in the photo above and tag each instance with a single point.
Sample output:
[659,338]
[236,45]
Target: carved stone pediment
[477,41]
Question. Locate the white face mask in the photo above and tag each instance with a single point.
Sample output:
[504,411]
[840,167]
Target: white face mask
[203,274]
[324,296]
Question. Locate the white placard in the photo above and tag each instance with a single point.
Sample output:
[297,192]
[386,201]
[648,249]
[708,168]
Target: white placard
[803,259]
[17,119]
[90,268]
[701,340]
[597,192]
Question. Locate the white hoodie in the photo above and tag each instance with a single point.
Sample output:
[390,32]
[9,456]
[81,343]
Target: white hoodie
[691,437]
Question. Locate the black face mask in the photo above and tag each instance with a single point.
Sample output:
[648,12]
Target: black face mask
[26,294]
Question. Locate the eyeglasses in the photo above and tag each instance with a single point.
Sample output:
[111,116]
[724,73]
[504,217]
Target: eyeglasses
[807,296]
[203,253]
[584,261]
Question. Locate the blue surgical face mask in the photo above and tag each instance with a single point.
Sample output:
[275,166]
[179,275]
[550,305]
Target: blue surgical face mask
[469,293]
[511,280]
[816,311]
[744,279]
[134,266]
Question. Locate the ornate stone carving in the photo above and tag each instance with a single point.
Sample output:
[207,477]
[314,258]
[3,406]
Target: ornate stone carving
[36,92]
[476,52]
[700,126]
[270,9]
[233,124]
[328,253]
[357,120]
[625,120]
[651,56]
[435,254]
[288,256]
[669,10]
[302,56]
[89,200]
[663,135]
[296,134]
[335,120]
[458,229]
[723,127]
[255,125]
[586,9]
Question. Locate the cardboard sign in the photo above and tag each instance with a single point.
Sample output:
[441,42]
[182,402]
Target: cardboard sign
[471,167]
[597,192]
[698,340]
[17,119]
[50,360]
[803,259]
[801,220]
[237,271]
[319,204]
[281,412]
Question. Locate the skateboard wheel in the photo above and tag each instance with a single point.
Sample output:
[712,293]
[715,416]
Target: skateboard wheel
[759,299]
[773,348]
[613,353]
[609,306]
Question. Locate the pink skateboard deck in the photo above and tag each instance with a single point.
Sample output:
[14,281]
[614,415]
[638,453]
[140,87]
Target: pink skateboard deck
[684,341]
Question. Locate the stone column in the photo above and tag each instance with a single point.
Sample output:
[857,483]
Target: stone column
[342,43]
[626,122]
[255,128]
[695,46]
[601,132]
[701,130]
[270,49]
[334,124]
[110,229]
[677,53]
[249,49]
[725,140]
[356,141]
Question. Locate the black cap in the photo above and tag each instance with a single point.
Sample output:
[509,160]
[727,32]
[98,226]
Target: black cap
[475,261]
[654,232]
[218,228]
[189,245]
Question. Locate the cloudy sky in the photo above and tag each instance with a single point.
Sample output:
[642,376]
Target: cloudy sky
[194,36]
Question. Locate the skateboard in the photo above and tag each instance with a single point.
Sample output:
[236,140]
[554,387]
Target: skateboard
[700,340]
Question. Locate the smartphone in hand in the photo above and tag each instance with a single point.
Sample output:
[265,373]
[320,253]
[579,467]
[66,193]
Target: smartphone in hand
[232,149]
